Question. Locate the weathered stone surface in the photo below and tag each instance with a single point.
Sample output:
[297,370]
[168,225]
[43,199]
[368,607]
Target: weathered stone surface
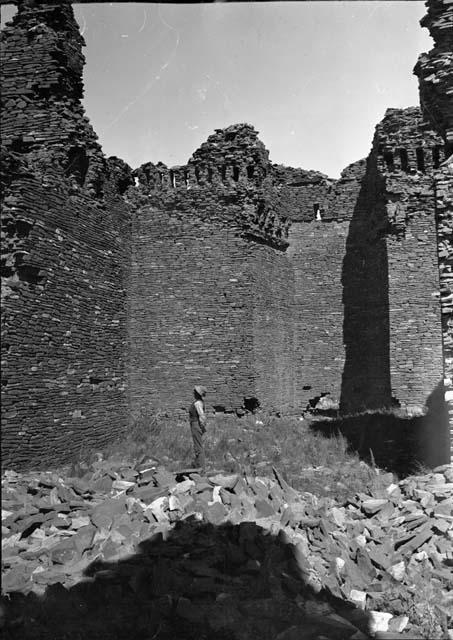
[337,310]
[349,551]
[65,251]
[434,71]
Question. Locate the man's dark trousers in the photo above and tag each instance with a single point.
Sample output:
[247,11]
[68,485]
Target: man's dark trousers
[197,435]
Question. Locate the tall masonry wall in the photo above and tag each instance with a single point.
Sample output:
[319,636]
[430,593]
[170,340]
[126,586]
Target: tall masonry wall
[408,153]
[317,246]
[211,288]
[260,281]
[434,71]
[65,253]
[316,252]
[391,290]
[273,329]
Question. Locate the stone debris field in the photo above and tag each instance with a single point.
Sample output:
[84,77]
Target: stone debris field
[278,288]
[133,550]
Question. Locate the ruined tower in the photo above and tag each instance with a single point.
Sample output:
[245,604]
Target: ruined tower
[65,251]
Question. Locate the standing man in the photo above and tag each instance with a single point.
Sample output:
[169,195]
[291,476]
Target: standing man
[197,417]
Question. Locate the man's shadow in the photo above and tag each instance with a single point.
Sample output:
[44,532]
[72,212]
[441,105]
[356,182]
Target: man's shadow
[228,582]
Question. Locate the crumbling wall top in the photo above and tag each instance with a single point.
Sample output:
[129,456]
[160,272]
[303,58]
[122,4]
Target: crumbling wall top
[435,70]
[405,128]
[236,146]
[42,88]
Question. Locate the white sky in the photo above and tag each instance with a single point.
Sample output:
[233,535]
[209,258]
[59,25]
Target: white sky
[314,78]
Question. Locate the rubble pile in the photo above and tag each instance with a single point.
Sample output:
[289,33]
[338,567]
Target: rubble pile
[244,556]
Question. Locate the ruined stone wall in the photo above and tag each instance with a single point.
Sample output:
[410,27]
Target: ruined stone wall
[344,193]
[191,315]
[63,323]
[208,306]
[274,344]
[212,288]
[299,195]
[316,252]
[435,70]
[408,153]
[435,73]
[222,291]
[391,289]
[65,253]
[366,378]
[443,186]
[320,210]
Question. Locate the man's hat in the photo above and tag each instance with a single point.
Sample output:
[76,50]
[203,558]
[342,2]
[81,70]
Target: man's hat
[200,391]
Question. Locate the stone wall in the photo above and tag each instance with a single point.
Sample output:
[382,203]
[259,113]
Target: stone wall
[435,73]
[65,253]
[299,195]
[391,291]
[435,70]
[210,307]
[263,282]
[444,213]
[316,252]
[414,310]
[211,292]
[273,328]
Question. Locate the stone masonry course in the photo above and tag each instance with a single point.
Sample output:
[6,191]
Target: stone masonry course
[275,286]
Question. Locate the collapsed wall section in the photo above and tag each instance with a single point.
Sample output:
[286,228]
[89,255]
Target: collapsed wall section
[65,252]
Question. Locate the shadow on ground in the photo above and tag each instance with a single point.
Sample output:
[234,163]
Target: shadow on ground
[228,582]
[396,443]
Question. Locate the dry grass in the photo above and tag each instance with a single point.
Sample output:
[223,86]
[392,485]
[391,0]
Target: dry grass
[253,445]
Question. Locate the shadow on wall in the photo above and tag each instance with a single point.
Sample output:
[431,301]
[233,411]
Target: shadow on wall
[229,582]
[395,442]
[366,334]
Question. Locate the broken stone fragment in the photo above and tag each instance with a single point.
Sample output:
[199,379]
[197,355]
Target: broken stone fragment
[358,598]
[122,485]
[397,571]
[216,513]
[63,552]
[379,621]
[225,481]
[103,484]
[264,508]
[183,487]
[398,624]
[373,505]
[102,521]
[83,539]
[158,508]
[81,521]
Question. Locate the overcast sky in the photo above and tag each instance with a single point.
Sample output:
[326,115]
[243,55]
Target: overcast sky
[314,78]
